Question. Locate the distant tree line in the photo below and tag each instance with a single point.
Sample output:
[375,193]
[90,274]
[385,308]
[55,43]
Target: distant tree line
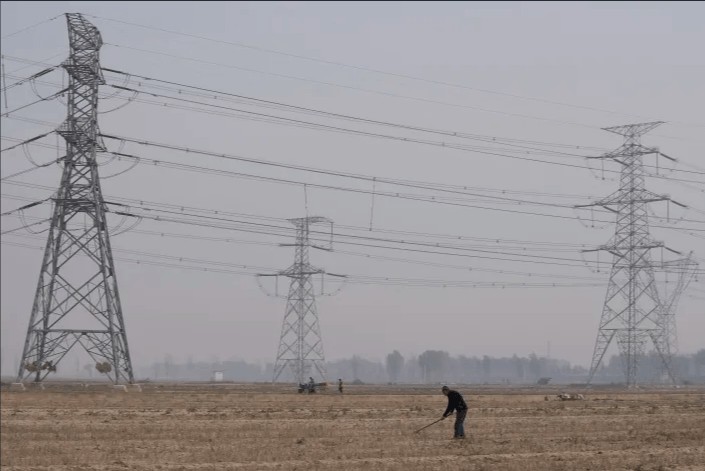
[437,366]
[430,367]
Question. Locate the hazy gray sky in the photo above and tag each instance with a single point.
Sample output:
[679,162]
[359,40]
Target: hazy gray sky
[639,61]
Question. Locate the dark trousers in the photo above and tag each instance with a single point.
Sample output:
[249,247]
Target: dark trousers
[459,419]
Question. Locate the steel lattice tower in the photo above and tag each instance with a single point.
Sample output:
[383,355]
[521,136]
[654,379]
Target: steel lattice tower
[77,301]
[300,343]
[685,269]
[633,311]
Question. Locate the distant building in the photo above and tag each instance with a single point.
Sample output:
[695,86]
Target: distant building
[218,376]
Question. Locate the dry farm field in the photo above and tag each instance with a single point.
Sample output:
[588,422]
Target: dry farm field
[265,427]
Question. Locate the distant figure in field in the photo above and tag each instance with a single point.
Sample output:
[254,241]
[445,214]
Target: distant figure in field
[456,403]
[340,385]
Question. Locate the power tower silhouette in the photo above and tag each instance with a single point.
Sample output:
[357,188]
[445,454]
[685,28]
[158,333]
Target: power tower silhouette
[77,300]
[633,311]
[685,270]
[300,343]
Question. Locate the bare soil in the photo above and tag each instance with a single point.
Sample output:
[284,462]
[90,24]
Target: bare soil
[265,427]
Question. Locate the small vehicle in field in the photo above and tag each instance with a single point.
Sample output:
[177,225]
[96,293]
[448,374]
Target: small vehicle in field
[312,388]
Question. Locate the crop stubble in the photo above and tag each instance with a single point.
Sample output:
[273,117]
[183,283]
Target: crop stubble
[252,427]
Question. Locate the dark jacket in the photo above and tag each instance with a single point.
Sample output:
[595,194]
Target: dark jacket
[455,402]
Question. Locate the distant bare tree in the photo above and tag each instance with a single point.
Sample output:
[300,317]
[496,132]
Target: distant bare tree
[699,358]
[534,365]
[519,365]
[433,364]
[486,366]
[395,363]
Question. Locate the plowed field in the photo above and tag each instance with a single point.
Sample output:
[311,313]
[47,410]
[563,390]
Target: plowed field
[253,427]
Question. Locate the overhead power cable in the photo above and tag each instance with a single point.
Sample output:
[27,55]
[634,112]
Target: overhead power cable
[381,72]
[22,208]
[133,202]
[365,255]
[522,143]
[27,170]
[273,119]
[28,79]
[27,141]
[415,197]
[349,87]
[487,139]
[267,229]
[360,279]
[50,97]
[312,125]
[9,231]
[31,26]
[442,144]
[433,185]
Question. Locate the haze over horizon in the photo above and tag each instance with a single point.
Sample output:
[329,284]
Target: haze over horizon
[511,98]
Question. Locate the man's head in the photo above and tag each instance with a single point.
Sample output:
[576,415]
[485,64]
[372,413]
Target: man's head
[445,390]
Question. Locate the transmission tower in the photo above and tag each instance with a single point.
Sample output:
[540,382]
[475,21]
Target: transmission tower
[300,343]
[633,312]
[685,270]
[77,301]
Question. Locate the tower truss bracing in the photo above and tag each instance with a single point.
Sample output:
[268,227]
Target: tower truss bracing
[77,302]
[633,314]
[300,343]
[684,270]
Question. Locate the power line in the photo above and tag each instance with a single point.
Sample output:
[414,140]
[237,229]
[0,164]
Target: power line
[349,87]
[483,138]
[368,256]
[22,208]
[28,79]
[27,170]
[269,231]
[360,279]
[30,63]
[454,237]
[376,92]
[31,26]
[50,97]
[273,119]
[382,72]
[9,231]
[279,105]
[414,183]
[454,246]
[443,144]
[312,125]
[413,197]
[487,139]
[332,187]
[268,228]
[436,186]
[27,141]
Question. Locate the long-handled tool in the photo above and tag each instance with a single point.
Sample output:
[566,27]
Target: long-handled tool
[427,426]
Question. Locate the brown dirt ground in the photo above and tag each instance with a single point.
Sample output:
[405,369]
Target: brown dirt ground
[265,427]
